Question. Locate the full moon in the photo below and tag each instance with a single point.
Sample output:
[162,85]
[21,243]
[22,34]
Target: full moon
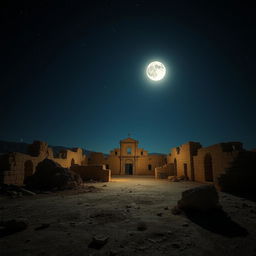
[156,71]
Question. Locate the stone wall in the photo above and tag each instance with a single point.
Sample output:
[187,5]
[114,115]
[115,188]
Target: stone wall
[182,159]
[96,158]
[92,172]
[212,161]
[15,167]
[164,171]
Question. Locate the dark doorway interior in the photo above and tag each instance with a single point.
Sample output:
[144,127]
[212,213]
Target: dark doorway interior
[186,170]
[128,169]
[28,169]
[175,167]
[208,170]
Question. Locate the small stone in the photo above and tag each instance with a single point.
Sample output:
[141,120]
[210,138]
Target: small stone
[160,214]
[175,210]
[43,226]
[27,192]
[142,226]
[244,205]
[175,245]
[13,226]
[104,185]
[98,241]
[113,252]
[152,240]
[142,248]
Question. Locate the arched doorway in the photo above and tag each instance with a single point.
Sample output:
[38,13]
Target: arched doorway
[208,170]
[72,162]
[175,167]
[129,168]
[28,169]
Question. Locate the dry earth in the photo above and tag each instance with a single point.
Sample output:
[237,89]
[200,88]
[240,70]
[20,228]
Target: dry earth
[72,218]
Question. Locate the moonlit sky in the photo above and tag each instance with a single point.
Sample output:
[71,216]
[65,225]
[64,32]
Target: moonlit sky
[73,74]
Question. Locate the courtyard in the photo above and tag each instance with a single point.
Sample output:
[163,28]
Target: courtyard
[132,213]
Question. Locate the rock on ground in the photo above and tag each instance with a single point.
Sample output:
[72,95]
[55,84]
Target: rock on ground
[203,198]
[50,175]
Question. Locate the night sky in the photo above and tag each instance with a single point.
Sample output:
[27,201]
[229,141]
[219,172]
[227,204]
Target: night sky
[73,73]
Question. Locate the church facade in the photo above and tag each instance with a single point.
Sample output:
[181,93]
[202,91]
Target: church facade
[128,159]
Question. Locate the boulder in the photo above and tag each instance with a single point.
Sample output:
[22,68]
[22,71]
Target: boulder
[142,226]
[182,178]
[51,175]
[203,198]
[173,178]
[12,226]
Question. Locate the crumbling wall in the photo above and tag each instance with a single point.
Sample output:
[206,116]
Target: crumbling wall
[215,159]
[96,158]
[147,164]
[164,171]
[15,167]
[19,167]
[113,163]
[92,172]
[182,159]
[67,158]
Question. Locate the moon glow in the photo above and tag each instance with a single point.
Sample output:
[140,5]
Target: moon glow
[156,71]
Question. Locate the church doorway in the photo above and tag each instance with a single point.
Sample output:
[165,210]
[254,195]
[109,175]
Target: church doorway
[129,169]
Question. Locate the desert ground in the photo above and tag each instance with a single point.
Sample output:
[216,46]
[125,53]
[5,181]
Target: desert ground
[130,216]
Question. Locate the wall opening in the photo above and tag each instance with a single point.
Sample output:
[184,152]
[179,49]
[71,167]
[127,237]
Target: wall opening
[28,169]
[128,169]
[175,167]
[72,162]
[129,150]
[150,167]
[185,170]
[208,170]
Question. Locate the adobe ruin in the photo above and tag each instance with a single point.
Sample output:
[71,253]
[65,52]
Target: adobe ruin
[190,160]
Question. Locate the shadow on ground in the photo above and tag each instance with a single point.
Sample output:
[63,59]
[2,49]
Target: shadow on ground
[218,222]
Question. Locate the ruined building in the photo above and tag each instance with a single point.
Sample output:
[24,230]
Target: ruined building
[190,160]
[197,163]
[16,166]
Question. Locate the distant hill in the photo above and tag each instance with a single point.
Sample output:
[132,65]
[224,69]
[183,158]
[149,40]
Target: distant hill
[9,146]
[21,147]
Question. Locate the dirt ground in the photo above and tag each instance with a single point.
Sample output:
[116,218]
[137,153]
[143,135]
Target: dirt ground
[115,210]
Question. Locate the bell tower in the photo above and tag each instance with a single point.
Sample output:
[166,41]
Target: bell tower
[128,156]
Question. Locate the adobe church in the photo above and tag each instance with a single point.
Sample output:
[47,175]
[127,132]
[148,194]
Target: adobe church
[128,159]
